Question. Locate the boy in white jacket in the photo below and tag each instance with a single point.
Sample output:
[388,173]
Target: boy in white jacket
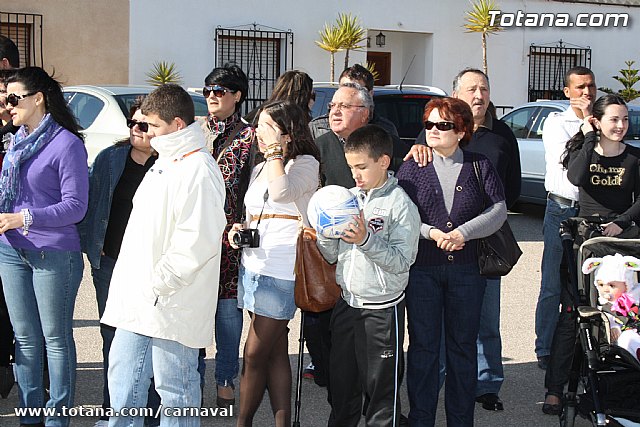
[163,292]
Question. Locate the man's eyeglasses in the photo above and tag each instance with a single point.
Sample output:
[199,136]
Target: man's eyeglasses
[218,91]
[441,126]
[13,99]
[340,106]
[143,126]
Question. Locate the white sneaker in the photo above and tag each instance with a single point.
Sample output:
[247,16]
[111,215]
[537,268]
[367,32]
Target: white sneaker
[101,423]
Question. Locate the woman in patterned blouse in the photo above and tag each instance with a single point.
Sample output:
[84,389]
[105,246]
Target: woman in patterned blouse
[229,138]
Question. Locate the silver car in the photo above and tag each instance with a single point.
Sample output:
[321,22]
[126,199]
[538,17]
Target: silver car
[526,122]
[102,112]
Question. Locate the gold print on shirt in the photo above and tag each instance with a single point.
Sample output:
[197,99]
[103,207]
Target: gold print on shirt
[612,175]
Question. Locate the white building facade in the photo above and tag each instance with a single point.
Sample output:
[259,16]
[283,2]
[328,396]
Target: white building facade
[428,33]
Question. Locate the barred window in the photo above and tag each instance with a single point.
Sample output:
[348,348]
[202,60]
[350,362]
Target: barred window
[25,30]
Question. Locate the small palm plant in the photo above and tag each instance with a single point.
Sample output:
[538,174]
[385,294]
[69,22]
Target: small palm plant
[372,69]
[479,21]
[352,34]
[331,41]
[163,72]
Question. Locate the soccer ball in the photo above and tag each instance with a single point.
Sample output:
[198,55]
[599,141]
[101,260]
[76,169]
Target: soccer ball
[331,210]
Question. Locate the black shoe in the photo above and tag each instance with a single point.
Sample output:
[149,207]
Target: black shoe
[490,402]
[404,421]
[552,408]
[6,380]
[543,362]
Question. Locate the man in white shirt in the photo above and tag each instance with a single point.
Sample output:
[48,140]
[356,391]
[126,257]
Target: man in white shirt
[562,200]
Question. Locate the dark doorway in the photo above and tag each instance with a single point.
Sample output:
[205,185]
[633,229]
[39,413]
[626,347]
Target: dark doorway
[382,63]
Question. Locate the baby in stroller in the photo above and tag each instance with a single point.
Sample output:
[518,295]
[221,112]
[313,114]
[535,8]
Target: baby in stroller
[618,297]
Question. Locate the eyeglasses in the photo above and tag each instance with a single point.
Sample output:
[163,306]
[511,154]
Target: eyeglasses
[340,106]
[441,126]
[143,126]
[217,90]
[13,99]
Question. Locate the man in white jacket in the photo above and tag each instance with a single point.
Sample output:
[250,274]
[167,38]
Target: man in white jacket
[163,292]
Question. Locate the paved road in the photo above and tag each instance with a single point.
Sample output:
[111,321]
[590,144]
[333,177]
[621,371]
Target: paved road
[522,391]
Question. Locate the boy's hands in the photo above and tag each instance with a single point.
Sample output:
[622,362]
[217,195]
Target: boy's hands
[357,232]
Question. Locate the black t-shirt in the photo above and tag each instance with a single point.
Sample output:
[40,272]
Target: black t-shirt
[122,204]
[609,186]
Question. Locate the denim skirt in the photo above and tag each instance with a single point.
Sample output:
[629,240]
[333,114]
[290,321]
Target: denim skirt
[266,295]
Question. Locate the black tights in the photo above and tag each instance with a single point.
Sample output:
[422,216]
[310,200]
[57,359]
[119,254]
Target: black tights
[266,366]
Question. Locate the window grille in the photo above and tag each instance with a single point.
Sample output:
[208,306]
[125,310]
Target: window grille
[548,65]
[25,30]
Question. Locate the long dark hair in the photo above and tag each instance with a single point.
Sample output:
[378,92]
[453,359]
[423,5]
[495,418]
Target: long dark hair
[295,123]
[295,86]
[575,143]
[35,79]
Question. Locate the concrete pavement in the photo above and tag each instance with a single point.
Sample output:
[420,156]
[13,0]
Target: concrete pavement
[522,391]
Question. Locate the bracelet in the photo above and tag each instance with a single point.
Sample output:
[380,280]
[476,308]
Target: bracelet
[27,219]
[275,156]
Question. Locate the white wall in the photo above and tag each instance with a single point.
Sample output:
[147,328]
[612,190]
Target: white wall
[183,32]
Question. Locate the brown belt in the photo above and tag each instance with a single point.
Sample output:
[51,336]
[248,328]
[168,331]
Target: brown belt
[271,216]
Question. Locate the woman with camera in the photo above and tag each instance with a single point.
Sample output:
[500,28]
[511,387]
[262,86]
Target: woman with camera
[276,201]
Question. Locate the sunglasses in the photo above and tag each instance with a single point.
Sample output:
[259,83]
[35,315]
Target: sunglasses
[13,99]
[143,126]
[441,126]
[218,91]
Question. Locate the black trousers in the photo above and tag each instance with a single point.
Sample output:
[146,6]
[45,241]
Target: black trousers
[366,364]
[564,340]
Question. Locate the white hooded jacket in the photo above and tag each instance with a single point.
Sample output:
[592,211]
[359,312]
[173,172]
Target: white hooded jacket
[165,282]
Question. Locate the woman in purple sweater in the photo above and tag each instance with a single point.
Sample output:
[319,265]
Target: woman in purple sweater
[44,189]
[445,285]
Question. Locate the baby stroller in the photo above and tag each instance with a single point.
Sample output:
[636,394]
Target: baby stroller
[604,380]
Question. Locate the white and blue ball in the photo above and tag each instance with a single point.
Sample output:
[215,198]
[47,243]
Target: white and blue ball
[331,210]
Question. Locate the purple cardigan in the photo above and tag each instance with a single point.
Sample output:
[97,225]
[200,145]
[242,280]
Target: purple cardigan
[423,187]
[54,186]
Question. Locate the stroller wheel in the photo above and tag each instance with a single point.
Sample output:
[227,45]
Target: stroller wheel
[568,415]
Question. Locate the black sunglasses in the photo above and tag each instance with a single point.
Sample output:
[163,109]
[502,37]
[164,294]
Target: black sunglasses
[13,99]
[143,126]
[217,90]
[441,126]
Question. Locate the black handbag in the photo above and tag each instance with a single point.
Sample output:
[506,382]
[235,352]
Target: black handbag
[499,252]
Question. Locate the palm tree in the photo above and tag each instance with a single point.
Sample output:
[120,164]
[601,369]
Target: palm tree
[479,21]
[352,34]
[331,41]
[163,72]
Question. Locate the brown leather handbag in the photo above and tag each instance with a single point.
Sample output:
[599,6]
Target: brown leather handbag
[316,289]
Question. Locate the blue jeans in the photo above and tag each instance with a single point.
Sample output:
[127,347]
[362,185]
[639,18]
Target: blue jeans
[41,288]
[453,294]
[134,359]
[547,310]
[490,372]
[228,333]
[101,280]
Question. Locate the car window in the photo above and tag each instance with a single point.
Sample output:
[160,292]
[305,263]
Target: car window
[85,108]
[536,129]
[405,111]
[520,121]
[323,97]
[200,105]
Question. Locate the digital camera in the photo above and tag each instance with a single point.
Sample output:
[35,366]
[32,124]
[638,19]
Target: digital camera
[249,238]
